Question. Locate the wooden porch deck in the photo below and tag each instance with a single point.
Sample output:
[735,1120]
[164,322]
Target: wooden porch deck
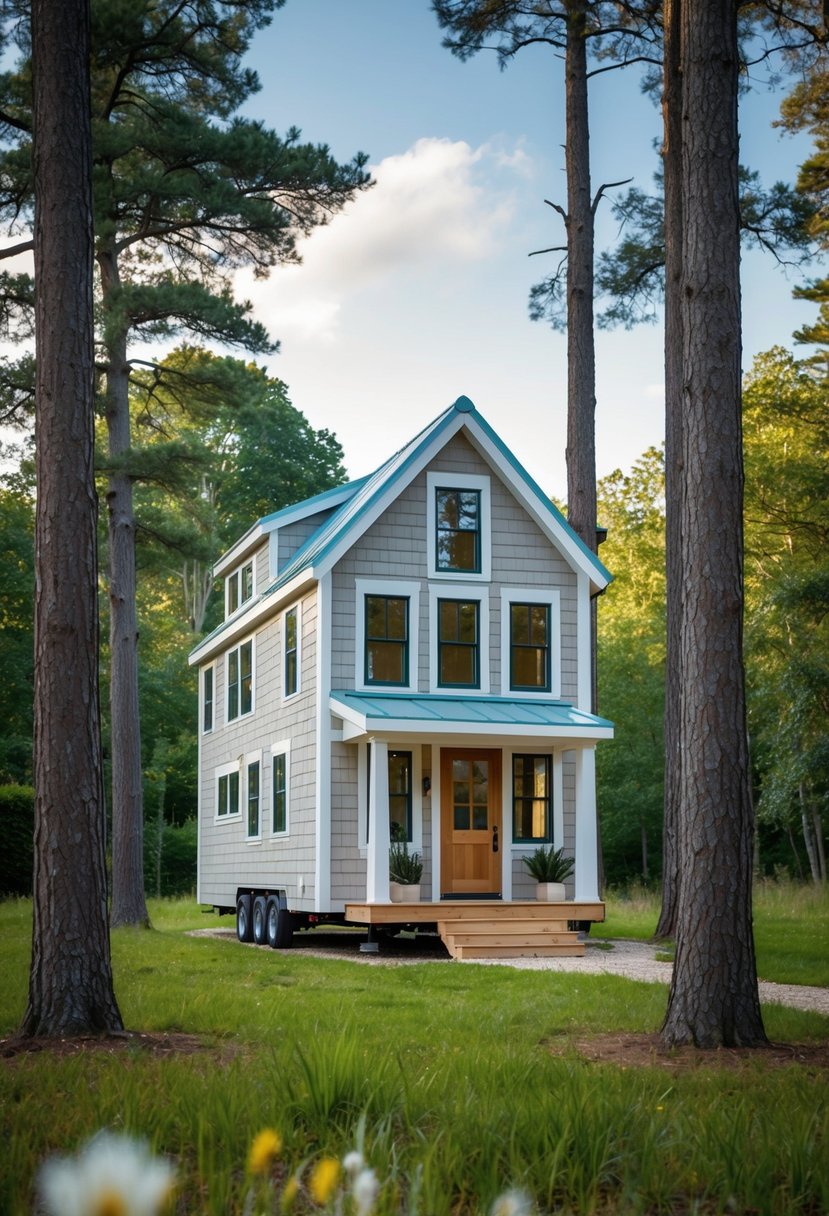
[481,928]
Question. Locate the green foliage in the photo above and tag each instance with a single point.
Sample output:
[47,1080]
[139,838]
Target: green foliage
[17,821]
[404,867]
[178,846]
[547,864]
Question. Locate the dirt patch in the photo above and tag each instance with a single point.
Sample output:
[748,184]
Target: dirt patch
[130,1042]
[648,1051]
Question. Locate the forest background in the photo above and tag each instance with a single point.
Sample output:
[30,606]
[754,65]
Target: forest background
[212,464]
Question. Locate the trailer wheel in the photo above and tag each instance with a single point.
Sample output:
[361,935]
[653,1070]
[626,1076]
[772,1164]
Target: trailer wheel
[279,926]
[244,930]
[259,918]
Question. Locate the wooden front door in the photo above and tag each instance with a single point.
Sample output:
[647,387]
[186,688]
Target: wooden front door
[470,815]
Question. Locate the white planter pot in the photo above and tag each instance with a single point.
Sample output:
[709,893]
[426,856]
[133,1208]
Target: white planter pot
[550,892]
[404,893]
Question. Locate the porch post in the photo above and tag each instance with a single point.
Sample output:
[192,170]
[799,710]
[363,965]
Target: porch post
[587,838]
[377,871]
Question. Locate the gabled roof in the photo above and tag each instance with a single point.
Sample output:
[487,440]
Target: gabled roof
[365,500]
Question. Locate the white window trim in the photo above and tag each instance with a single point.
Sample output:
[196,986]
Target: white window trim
[459,481]
[235,575]
[224,770]
[460,591]
[531,595]
[253,758]
[402,589]
[207,730]
[297,608]
[283,748]
[394,745]
[248,713]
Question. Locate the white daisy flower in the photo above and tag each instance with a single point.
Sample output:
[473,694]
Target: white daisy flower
[364,1192]
[111,1176]
[353,1162]
[512,1203]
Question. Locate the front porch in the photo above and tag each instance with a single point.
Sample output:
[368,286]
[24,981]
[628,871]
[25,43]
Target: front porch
[480,928]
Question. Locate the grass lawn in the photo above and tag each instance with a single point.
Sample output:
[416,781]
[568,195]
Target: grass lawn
[457,1081]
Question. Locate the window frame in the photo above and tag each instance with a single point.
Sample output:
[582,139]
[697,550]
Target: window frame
[464,482]
[531,842]
[390,589]
[295,611]
[237,650]
[209,670]
[462,593]
[409,752]
[234,587]
[549,597]
[282,748]
[253,759]
[220,773]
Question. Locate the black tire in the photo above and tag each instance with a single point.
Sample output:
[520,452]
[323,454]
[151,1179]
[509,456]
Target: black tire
[259,919]
[279,926]
[244,928]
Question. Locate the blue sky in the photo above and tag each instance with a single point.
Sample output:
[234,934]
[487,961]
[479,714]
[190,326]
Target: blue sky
[419,292]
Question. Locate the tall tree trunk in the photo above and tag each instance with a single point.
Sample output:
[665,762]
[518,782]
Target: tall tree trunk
[129,906]
[808,838]
[714,998]
[817,825]
[672,172]
[70,982]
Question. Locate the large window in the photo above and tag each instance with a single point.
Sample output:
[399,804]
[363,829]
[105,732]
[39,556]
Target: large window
[240,681]
[227,791]
[253,800]
[207,686]
[458,530]
[387,640]
[291,640]
[529,659]
[531,800]
[458,643]
[239,587]
[400,796]
[279,820]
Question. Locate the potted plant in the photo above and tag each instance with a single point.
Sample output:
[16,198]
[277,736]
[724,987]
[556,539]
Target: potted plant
[549,867]
[405,872]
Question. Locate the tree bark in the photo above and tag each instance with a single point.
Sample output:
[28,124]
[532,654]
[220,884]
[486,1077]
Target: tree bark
[714,998]
[129,905]
[70,982]
[672,172]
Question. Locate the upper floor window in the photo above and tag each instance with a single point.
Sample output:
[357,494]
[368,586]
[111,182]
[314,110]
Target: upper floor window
[531,800]
[207,693]
[459,663]
[291,651]
[387,640]
[240,681]
[227,791]
[239,588]
[458,530]
[458,525]
[529,658]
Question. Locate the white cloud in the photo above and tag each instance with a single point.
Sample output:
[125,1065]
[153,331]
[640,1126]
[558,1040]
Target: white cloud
[436,205]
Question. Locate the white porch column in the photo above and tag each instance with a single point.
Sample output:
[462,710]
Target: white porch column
[377,872]
[587,837]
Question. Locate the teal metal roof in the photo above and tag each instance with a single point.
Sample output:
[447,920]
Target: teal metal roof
[378,711]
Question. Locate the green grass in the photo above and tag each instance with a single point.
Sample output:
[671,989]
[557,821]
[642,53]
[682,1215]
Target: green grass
[444,1071]
[791,928]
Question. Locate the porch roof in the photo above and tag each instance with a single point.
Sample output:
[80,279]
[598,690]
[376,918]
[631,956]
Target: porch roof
[366,713]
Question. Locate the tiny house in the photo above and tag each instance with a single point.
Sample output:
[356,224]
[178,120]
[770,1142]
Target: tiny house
[408,655]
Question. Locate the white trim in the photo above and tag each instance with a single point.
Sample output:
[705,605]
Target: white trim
[359,726]
[322,777]
[224,770]
[506,814]
[203,730]
[464,592]
[253,758]
[297,608]
[403,589]
[558,800]
[235,576]
[531,595]
[587,840]
[282,748]
[249,712]
[377,852]
[459,481]
[263,607]
[584,675]
[394,745]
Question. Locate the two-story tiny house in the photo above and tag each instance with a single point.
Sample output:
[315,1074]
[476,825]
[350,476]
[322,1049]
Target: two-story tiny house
[412,648]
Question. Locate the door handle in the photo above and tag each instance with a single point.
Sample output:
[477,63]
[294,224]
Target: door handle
[495,838]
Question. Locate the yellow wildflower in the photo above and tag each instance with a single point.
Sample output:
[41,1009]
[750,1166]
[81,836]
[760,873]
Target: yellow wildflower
[289,1193]
[324,1178]
[266,1147]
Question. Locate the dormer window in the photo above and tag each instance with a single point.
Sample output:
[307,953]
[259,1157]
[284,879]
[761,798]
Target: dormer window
[238,588]
[458,525]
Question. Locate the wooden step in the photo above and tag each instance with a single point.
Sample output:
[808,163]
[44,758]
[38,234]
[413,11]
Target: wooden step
[571,949]
[500,938]
[494,924]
